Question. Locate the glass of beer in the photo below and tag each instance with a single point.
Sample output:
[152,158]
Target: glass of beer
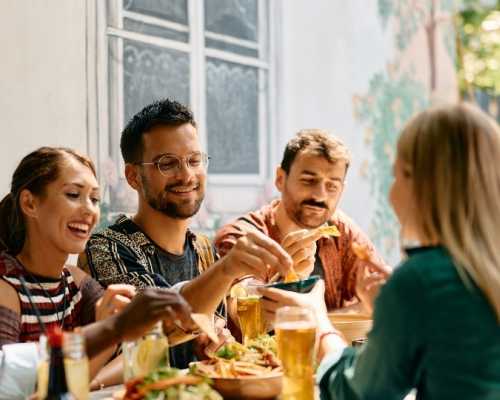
[296,337]
[250,315]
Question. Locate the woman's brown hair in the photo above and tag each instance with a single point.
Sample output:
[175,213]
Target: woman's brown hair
[35,171]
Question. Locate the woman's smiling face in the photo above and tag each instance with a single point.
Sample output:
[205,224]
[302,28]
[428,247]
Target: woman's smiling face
[64,215]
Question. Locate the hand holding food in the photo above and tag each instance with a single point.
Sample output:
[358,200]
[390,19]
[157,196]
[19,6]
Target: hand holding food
[152,305]
[256,254]
[301,245]
[370,276]
[115,298]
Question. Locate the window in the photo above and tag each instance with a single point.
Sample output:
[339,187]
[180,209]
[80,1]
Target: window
[212,55]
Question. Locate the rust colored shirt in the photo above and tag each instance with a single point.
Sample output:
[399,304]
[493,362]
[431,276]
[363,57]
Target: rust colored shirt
[335,253]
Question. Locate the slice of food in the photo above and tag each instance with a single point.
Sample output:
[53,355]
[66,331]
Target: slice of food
[329,230]
[291,276]
[206,325]
[361,251]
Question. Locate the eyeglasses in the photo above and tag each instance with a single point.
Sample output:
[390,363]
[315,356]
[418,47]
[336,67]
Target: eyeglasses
[169,164]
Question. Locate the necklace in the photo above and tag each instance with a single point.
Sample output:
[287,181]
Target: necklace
[59,314]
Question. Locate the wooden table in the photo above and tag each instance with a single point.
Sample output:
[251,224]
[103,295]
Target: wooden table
[107,394]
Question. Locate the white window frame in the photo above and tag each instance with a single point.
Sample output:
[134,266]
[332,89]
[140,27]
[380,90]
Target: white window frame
[110,24]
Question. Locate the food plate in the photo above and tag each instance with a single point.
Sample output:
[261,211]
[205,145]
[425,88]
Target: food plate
[243,372]
[254,387]
[302,286]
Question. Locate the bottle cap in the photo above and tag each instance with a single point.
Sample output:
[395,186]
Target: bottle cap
[55,336]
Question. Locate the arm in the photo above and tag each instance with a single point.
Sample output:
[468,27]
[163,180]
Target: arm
[387,366]
[146,308]
[253,254]
[10,310]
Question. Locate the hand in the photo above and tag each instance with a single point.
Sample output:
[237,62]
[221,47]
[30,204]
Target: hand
[273,299]
[115,298]
[205,348]
[370,277]
[150,306]
[301,246]
[256,254]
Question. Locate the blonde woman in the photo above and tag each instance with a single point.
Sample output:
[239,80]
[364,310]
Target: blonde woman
[437,319]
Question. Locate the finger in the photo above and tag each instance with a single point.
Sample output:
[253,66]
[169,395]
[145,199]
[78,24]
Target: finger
[118,302]
[252,264]
[307,241]
[292,237]
[284,260]
[125,290]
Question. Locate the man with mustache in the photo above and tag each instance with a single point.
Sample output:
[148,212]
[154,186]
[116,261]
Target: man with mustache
[166,166]
[311,179]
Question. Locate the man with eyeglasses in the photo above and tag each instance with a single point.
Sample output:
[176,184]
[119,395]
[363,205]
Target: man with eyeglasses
[311,180]
[165,165]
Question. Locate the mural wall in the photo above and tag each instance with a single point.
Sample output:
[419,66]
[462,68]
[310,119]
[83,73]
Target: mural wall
[420,73]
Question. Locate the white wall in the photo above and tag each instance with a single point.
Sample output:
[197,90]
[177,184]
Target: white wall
[42,79]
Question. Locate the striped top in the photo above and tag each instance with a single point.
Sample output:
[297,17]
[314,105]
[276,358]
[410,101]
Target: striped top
[55,299]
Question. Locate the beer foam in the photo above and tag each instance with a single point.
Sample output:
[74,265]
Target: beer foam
[292,325]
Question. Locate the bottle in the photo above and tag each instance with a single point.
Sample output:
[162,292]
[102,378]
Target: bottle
[76,364]
[57,388]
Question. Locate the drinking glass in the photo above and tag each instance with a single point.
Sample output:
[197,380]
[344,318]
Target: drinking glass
[142,356]
[249,312]
[296,338]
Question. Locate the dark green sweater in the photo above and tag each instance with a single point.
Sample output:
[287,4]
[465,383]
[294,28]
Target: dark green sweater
[430,332]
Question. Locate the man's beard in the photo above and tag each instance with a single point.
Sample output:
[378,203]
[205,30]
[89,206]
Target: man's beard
[296,213]
[172,209]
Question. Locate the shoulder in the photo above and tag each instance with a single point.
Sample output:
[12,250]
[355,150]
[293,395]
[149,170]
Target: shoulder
[10,297]
[253,220]
[430,264]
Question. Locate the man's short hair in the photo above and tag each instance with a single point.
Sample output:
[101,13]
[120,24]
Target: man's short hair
[318,142]
[163,112]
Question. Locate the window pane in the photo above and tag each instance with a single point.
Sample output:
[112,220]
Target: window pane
[241,50]
[232,118]
[154,30]
[172,10]
[236,18]
[152,73]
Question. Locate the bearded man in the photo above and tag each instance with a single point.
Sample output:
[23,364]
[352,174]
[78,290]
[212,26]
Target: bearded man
[166,166]
[311,180]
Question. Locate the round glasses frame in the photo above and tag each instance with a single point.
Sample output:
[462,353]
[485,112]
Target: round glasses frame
[191,161]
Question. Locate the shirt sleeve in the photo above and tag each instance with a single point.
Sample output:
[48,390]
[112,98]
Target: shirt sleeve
[91,292]
[18,370]
[387,366]
[113,263]
[10,326]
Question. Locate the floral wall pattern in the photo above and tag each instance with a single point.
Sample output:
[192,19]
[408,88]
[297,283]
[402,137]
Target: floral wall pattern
[423,36]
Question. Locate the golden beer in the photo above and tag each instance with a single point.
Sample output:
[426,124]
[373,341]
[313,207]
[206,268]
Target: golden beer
[250,317]
[296,349]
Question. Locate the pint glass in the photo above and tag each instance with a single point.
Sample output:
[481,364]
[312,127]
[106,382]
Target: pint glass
[296,337]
